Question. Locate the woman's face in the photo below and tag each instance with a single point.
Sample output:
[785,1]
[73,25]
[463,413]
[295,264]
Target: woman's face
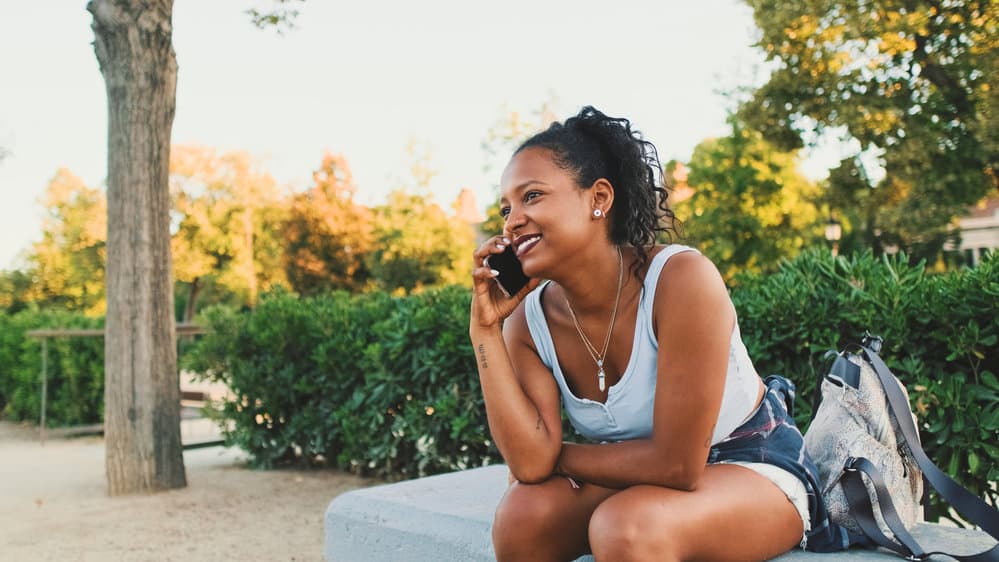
[548,216]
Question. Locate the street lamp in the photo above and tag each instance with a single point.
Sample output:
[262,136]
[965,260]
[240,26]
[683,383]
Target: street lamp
[834,231]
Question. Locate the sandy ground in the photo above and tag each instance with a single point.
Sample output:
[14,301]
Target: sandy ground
[54,506]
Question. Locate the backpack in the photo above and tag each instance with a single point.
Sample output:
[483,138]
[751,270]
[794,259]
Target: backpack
[871,466]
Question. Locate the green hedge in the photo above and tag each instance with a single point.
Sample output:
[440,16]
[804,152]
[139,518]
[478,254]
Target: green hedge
[940,333]
[75,369]
[379,385]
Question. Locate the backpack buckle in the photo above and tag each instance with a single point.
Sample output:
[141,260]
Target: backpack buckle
[850,465]
[872,342]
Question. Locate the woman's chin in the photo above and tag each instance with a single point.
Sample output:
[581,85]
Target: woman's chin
[536,270]
[532,270]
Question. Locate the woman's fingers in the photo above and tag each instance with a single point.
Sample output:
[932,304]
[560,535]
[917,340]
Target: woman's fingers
[494,245]
[483,273]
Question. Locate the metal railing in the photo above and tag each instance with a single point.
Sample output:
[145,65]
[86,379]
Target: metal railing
[47,333]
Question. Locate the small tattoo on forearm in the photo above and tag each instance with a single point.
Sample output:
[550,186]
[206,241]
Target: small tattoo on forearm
[482,356]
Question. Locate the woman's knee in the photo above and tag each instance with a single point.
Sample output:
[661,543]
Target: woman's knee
[523,520]
[624,529]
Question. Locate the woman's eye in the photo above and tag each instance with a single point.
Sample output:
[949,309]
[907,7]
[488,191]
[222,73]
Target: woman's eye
[505,212]
[531,195]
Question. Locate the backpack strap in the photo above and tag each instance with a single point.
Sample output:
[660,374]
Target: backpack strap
[967,504]
[862,509]
[863,512]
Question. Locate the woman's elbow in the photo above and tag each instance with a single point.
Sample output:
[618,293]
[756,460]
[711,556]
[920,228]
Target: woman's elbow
[686,477]
[532,473]
[536,477]
[533,470]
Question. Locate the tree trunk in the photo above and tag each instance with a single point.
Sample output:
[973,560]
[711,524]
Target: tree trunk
[251,265]
[192,297]
[132,39]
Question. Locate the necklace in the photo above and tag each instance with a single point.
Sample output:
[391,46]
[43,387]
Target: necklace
[598,358]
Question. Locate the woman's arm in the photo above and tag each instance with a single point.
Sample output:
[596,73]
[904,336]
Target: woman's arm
[521,396]
[521,399]
[693,317]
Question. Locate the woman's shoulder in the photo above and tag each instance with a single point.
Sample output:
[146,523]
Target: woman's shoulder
[689,286]
[686,270]
[674,259]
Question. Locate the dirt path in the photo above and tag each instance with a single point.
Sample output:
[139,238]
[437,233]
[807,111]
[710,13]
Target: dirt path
[53,506]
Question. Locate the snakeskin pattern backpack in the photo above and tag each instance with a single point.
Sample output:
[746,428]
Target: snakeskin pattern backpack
[871,466]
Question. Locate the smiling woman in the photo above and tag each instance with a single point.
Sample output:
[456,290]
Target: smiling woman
[641,345]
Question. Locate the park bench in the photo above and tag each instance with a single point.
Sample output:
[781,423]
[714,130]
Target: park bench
[447,518]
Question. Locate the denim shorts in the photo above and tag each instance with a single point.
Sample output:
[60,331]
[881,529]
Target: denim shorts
[771,437]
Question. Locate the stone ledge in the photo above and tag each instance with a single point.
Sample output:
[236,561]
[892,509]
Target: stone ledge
[447,518]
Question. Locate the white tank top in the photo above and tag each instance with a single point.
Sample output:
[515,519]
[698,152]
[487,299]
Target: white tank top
[627,414]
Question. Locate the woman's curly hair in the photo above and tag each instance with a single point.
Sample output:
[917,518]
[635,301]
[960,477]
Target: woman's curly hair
[591,145]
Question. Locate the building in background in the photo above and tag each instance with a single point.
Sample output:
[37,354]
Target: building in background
[979,231]
[466,209]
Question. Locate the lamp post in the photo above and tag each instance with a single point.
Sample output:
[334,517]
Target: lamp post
[834,231]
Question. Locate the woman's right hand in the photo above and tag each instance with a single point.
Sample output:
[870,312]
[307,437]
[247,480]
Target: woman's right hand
[489,304]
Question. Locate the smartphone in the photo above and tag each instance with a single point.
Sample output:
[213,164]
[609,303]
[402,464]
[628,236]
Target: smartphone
[511,278]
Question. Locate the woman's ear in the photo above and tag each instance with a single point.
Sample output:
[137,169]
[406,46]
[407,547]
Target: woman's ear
[602,194]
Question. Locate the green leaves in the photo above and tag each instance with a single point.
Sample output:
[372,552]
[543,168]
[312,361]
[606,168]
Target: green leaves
[75,369]
[417,244]
[750,206]
[379,385]
[913,83]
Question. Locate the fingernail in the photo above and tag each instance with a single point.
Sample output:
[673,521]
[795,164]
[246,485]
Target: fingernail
[505,239]
[494,272]
[500,246]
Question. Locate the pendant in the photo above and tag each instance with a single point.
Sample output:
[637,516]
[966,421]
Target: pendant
[600,376]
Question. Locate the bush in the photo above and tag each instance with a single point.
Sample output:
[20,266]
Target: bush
[940,335]
[378,385]
[75,393]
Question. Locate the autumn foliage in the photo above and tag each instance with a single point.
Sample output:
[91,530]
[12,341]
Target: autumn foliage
[236,234]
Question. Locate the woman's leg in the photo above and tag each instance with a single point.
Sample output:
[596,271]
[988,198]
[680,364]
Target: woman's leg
[734,514]
[545,522]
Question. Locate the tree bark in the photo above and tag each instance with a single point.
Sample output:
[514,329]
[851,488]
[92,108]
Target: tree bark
[192,298]
[133,43]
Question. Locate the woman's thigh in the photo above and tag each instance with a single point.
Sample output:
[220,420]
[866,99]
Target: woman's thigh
[546,521]
[734,514]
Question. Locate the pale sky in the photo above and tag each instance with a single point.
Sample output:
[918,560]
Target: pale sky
[364,78]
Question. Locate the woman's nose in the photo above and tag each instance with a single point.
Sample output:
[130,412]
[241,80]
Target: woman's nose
[514,220]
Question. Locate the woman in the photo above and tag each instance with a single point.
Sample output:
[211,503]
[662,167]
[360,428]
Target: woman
[641,343]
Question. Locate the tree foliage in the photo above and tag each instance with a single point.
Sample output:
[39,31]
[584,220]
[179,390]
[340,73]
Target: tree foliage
[916,81]
[228,216]
[17,290]
[327,234]
[750,206]
[282,15]
[417,244]
[67,264]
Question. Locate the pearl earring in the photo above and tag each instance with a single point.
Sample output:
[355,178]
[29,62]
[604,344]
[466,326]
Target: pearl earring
[597,213]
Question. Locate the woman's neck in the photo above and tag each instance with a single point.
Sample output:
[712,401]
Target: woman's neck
[592,288]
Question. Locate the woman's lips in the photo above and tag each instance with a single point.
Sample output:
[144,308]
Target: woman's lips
[523,244]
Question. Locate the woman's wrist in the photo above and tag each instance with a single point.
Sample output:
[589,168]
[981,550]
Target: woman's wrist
[560,462]
[560,469]
[478,331]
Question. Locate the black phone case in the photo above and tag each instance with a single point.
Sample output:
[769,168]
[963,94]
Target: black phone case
[511,276]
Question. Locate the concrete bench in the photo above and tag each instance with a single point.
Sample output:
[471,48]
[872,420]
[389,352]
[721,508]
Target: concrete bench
[447,518]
